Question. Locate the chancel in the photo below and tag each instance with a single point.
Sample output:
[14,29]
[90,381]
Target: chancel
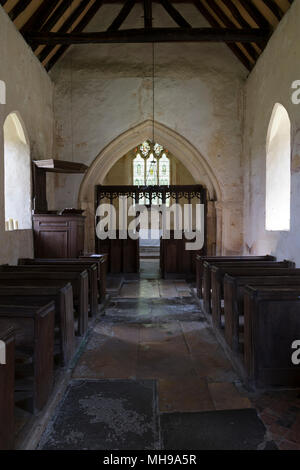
[150,261]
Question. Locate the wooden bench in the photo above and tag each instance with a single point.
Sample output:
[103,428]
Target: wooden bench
[79,281]
[234,299]
[34,336]
[103,269]
[208,275]
[272,324]
[62,295]
[7,384]
[66,267]
[217,277]
[215,259]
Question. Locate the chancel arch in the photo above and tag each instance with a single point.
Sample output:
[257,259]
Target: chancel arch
[176,144]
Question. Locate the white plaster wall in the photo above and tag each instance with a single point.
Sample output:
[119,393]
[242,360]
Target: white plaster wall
[101,91]
[29,91]
[270,82]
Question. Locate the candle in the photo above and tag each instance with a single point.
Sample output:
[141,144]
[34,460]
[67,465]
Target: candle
[10,224]
[6,225]
[16,225]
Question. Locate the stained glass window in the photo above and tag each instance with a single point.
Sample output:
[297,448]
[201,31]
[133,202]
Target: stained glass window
[138,171]
[164,170]
[151,166]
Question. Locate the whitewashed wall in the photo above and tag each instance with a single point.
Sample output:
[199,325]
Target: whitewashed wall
[29,91]
[270,82]
[102,91]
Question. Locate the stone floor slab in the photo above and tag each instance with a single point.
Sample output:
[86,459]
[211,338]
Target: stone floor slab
[214,430]
[105,415]
[225,396]
[188,395]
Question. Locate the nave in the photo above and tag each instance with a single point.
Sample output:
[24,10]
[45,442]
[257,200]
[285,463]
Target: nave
[153,376]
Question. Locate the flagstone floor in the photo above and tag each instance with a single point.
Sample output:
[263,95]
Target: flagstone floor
[153,376]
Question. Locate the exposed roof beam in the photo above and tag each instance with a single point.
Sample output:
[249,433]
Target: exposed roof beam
[148,13]
[254,12]
[18,9]
[65,27]
[57,15]
[230,24]
[39,17]
[78,28]
[153,35]
[119,20]
[213,22]
[275,8]
[175,15]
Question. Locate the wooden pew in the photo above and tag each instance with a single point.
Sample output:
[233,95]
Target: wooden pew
[208,275]
[62,295]
[79,281]
[272,324]
[34,336]
[66,267]
[217,277]
[215,259]
[103,269]
[234,299]
[7,384]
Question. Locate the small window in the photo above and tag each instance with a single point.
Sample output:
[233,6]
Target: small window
[151,167]
[2,92]
[17,175]
[278,171]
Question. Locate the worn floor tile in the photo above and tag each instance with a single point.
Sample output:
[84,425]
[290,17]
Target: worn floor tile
[108,358]
[188,395]
[163,360]
[105,415]
[214,430]
[225,396]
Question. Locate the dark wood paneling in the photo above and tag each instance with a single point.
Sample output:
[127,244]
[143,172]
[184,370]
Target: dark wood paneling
[58,236]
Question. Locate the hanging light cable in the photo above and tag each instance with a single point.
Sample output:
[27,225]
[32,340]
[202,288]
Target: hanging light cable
[71,90]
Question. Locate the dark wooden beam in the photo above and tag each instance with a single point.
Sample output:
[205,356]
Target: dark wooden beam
[213,22]
[153,35]
[240,19]
[119,20]
[18,9]
[236,13]
[37,20]
[65,27]
[275,8]
[254,12]
[78,28]
[230,24]
[57,15]
[175,15]
[148,13]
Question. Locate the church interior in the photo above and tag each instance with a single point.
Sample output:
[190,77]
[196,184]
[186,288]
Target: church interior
[146,342]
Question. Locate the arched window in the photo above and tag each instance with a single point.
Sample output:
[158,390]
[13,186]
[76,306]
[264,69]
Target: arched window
[151,165]
[17,175]
[278,170]
[2,92]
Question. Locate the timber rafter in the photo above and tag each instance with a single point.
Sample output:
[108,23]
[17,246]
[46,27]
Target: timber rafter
[52,26]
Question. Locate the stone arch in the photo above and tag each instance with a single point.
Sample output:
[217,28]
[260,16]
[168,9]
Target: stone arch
[180,147]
